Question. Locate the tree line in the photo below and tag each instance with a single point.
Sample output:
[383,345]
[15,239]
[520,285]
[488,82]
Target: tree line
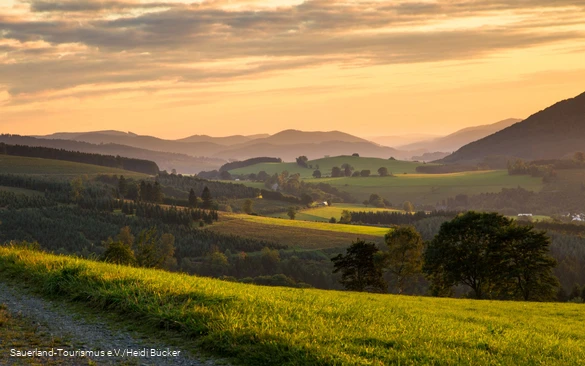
[491,255]
[135,165]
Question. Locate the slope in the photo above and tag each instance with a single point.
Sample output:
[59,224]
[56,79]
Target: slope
[166,161]
[462,137]
[552,133]
[285,326]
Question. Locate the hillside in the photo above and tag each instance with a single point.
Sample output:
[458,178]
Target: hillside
[289,152]
[166,161]
[460,138]
[283,326]
[401,140]
[326,164]
[38,166]
[552,133]
[287,144]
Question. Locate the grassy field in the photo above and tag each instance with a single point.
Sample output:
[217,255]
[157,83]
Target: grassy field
[432,188]
[323,214]
[295,233]
[326,164]
[283,326]
[38,166]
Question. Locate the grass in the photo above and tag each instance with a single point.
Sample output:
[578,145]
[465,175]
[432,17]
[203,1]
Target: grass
[37,166]
[326,164]
[294,233]
[432,188]
[324,214]
[283,326]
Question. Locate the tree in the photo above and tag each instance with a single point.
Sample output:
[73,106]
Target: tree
[157,194]
[332,220]
[404,257]
[153,251]
[356,174]
[361,268]
[206,198]
[225,175]
[493,256]
[248,206]
[262,176]
[292,212]
[408,206]
[120,251]
[122,186]
[366,203]
[523,264]
[356,155]
[365,173]
[336,172]
[76,189]
[460,253]
[580,157]
[192,198]
[302,161]
[347,169]
[383,171]
[317,174]
[345,217]
[376,201]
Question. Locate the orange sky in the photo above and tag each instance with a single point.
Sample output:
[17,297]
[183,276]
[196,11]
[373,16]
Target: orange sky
[174,69]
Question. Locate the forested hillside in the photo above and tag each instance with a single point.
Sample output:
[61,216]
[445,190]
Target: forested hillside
[555,132]
[135,165]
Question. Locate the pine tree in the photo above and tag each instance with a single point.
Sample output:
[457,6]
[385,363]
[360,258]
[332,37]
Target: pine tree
[192,199]
[206,198]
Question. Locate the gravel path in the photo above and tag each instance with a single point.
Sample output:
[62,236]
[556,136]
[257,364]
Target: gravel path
[89,334]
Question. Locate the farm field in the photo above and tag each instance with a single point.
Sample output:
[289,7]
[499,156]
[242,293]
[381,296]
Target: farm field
[37,166]
[284,326]
[326,164]
[432,188]
[324,214]
[294,233]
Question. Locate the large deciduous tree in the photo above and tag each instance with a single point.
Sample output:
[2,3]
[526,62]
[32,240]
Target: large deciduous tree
[493,256]
[361,268]
[404,256]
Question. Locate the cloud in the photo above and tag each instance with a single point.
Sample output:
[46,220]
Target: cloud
[91,42]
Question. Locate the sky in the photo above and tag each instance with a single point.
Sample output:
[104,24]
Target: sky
[221,67]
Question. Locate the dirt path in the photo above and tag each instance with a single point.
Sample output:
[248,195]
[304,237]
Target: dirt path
[35,323]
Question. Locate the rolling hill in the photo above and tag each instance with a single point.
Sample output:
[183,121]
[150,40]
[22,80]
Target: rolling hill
[460,138]
[287,145]
[260,325]
[166,161]
[401,140]
[552,133]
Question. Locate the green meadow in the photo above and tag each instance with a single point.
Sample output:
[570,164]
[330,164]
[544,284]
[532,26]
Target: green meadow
[325,213]
[255,325]
[295,233]
[326,164]
[24,165]
[432,188]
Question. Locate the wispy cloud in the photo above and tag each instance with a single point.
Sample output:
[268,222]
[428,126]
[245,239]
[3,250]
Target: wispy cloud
[55,45]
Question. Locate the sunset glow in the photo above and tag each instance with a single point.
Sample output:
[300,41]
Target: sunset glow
[174,69]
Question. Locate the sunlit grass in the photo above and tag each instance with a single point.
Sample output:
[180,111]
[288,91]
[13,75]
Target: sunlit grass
[285,326]
[325,213]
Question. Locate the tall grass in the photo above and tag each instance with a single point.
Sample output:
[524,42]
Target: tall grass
[283,326]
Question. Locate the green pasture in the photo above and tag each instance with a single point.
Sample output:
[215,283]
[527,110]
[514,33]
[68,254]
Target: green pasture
[326,164]
[327,212]
[254,325]
[432,188]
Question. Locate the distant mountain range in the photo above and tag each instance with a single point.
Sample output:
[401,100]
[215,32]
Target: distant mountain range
[460,138]
[201,152]
[556,132]
[166,161]
[287,145]
[401,140]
